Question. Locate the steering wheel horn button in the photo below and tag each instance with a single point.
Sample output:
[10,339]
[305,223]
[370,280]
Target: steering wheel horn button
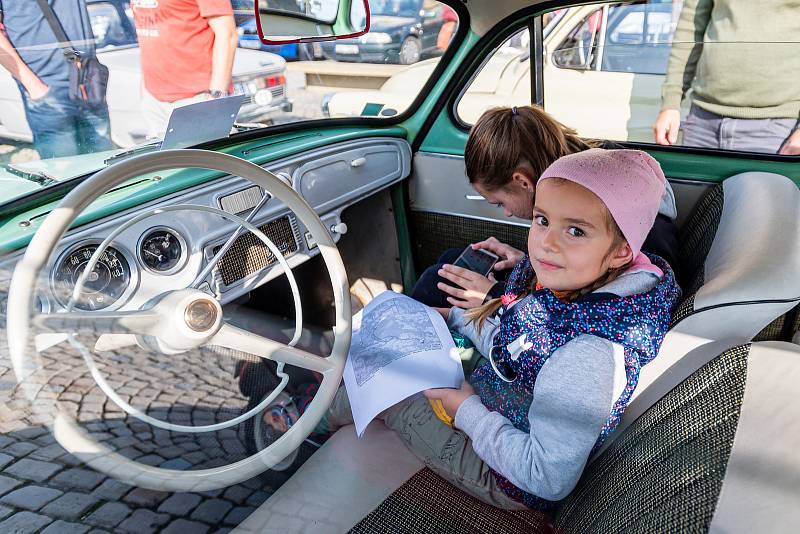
[200,315]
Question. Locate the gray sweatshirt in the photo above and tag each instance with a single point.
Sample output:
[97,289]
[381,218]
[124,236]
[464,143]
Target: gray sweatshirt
[572,398]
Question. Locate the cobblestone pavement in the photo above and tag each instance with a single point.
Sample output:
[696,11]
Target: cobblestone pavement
[44,488]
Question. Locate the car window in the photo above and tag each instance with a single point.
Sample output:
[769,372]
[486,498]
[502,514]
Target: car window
[155,60]
[579,49]
[503,80]
[674,74]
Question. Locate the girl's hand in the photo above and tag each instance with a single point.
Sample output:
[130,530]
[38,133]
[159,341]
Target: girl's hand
[509,256]
[451,398]
[472,289]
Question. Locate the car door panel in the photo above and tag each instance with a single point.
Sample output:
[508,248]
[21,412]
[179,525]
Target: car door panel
[447,213]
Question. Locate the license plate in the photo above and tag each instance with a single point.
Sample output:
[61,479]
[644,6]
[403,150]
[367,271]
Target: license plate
[346,49]
[250,44]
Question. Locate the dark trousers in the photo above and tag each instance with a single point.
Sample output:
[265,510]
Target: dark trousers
[62,127]
[427,292]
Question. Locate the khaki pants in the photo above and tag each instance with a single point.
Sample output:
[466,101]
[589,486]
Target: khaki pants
[156,113]
[445,450]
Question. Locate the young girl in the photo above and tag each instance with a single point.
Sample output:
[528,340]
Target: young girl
[506,152]
[582,313]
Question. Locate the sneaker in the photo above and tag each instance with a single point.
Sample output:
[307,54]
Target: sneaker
[276,419]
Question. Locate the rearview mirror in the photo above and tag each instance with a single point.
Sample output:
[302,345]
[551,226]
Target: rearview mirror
[302,21]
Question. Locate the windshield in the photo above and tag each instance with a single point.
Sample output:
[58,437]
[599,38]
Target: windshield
[135,75]
[396,8]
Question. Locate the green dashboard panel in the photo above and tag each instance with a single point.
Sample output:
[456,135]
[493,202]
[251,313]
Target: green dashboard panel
[17,231]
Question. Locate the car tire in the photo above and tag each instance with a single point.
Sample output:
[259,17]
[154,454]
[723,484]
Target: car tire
[410,51]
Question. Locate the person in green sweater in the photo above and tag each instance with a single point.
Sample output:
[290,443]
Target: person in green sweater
[742,62]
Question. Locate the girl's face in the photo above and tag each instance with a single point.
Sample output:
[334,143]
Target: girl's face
[570,243]
[516,197]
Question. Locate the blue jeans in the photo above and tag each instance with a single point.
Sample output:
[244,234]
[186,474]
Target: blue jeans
[709,130]
[62,127]
[427,291]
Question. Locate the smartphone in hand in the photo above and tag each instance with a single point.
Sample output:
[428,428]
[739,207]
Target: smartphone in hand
[477,260]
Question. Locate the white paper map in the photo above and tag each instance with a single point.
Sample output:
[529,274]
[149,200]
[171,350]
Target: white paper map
[395,328]
[399,347]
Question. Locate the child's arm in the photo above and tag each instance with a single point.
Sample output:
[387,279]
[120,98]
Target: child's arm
[573,396]
[482,339]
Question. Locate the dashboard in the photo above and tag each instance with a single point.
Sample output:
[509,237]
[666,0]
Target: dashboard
[175,247]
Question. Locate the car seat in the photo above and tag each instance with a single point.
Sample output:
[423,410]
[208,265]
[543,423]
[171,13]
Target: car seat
[716,452]
[740,249]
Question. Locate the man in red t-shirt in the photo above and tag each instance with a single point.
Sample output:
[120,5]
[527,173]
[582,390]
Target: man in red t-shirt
[187,49]
[448,27]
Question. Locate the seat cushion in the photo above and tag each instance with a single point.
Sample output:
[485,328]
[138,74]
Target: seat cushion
[427,503]
[339,485]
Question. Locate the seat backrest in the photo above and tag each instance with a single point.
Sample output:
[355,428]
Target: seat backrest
[693,461]
[741,251]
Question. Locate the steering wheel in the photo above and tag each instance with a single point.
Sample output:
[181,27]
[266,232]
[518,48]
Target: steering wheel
[176,321]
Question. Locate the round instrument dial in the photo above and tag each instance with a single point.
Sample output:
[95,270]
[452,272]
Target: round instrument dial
[104,285]
[161,251]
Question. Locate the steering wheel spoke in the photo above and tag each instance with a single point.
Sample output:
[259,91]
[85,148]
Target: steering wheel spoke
[235,338]
[111,322]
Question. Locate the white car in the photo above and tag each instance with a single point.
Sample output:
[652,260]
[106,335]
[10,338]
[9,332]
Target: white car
[588,59]
[257,74]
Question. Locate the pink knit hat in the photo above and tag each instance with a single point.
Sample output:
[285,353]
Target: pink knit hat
[629,182]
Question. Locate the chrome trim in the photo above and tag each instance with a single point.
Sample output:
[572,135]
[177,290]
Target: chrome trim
[133,283]
[474,217]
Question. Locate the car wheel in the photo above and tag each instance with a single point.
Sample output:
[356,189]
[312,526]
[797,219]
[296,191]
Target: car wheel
[410,51]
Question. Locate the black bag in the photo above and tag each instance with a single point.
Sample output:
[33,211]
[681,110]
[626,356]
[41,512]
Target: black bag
[88,78]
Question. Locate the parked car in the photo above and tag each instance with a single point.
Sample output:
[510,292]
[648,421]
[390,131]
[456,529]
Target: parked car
[635,46]
[400,32]
[259,75]
[248,38]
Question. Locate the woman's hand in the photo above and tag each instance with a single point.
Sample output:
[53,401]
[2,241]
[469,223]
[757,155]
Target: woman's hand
[509,256]
[451,398]
[472,289]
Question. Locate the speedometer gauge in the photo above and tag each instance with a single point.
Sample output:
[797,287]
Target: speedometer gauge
[161,250]
[104,285]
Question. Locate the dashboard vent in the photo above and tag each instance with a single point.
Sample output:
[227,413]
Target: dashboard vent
[249,254]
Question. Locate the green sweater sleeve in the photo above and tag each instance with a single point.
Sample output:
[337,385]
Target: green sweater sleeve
[685,52]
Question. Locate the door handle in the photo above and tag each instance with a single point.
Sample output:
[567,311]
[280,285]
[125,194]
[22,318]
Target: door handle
[474,197]
[358,162]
